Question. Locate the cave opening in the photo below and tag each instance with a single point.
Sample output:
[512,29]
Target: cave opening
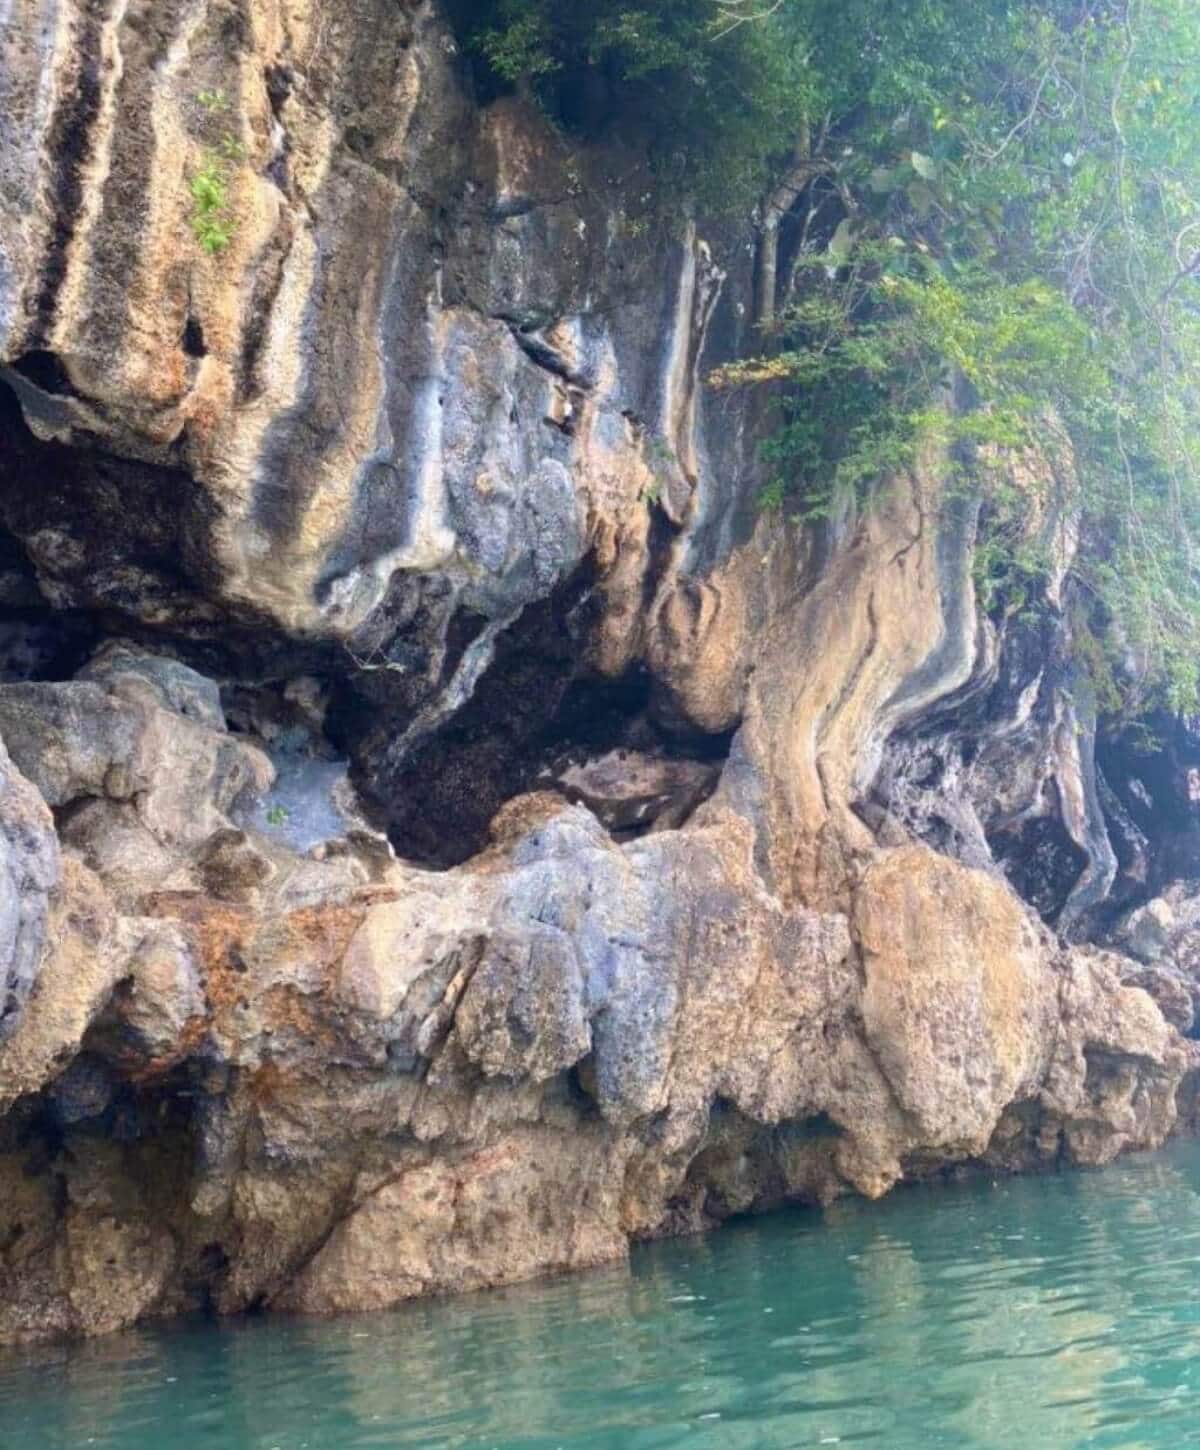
[525,732]
[539,718]
[193,338]
[1042,863]
[1151,771]
[44,370]
[108,533]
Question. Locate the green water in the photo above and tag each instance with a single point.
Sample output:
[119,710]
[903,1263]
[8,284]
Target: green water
[1037,1314]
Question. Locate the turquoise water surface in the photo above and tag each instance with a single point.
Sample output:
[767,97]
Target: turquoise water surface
[1050,1312]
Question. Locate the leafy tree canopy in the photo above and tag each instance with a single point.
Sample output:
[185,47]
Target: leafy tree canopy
[998,199]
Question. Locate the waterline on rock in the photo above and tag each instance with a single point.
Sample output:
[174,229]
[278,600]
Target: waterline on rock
[1054,1312]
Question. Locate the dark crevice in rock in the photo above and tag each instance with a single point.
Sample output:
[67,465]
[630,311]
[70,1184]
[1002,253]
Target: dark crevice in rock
[577,1087]
[45,645]
[193,337]
[1001,772]
[277,170]
[143,1137]
[663,533]
[1133,851]
[108,532]
[438,800]
[1151,773]
[463,629]
[748,1167]
[546,356]
[200,1281]
[19,588]
[538,716]
[361,142]
[45,371]
[279,81]
[606,750]
[32,1128]
[267,281]
[1041,861]
[99,546]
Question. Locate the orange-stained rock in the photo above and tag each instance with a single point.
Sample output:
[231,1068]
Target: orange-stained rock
[720,850]
[959,1001]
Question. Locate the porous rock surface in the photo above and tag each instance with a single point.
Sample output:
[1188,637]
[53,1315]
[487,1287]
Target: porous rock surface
[446,833]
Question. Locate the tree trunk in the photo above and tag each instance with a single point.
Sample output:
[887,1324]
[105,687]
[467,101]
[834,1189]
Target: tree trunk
[802,167]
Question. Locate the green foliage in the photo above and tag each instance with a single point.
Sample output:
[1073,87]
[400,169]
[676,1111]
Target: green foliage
[212,224]
[710,91]
[991,217]
[661,458]
[1000,224]
[1095,660]
[874,354]
[277,815]
[212,220]
[773,496]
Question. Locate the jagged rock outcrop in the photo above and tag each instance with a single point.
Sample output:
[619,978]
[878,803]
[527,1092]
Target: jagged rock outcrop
[371,1082]
[448,833]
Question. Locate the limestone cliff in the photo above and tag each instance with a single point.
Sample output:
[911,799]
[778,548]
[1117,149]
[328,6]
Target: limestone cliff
[446,831]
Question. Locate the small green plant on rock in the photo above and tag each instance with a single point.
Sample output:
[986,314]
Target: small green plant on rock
[662,459]
[212,222]
[632,226]
[772,497]
[212,225]
[277,815]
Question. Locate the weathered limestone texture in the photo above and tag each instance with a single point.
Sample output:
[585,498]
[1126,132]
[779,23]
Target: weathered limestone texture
[446,831]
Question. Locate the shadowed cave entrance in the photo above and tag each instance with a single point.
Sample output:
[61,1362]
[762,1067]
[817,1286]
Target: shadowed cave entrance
[539,719]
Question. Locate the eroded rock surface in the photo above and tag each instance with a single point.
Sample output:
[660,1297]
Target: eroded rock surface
[446,833]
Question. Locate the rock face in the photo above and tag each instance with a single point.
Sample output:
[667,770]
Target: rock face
[446,833]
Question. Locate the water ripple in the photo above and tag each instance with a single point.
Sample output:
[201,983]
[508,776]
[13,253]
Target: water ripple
[1056,1314]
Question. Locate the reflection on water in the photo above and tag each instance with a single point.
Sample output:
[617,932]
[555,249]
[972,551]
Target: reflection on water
[1041,1314]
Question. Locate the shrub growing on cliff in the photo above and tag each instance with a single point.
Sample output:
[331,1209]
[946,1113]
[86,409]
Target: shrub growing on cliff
[992,199]
[709,86]
[211,223]
[1008,209]
[212,218]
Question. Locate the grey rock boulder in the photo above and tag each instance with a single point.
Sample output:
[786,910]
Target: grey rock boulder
[29,872]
